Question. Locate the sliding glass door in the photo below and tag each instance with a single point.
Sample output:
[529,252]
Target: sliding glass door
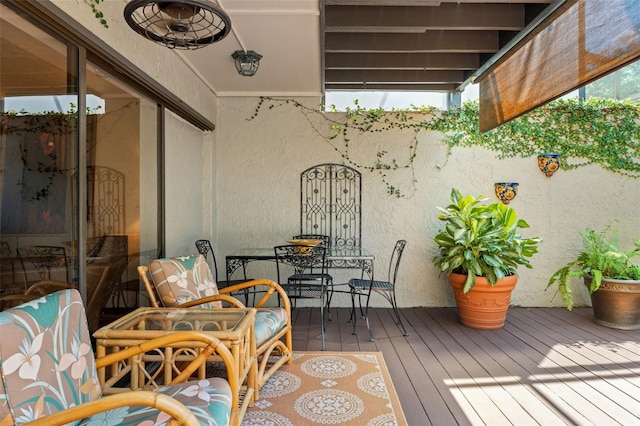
[76,177]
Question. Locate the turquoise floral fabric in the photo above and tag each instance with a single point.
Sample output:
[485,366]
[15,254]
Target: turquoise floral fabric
[183,279]
[47,361]
[186,278]
[47,365]
[268,322]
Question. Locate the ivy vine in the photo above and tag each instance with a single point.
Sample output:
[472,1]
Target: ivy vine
[93,4]
[597,131]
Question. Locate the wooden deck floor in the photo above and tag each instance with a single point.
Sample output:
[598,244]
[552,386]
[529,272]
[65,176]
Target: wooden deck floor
[547,366]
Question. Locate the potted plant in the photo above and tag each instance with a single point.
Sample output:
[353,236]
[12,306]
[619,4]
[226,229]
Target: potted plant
[610,275]
[480,250]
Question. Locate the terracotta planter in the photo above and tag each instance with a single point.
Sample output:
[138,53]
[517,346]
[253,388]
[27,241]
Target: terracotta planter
[484,307]
[616,304]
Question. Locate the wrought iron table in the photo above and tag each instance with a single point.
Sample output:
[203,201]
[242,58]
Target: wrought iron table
[350,258]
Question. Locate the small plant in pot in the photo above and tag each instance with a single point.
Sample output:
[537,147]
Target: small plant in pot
[480,250]
[610,275]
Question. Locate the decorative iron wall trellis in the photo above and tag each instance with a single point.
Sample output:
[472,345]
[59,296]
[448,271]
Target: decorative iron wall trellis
[330,204]
[105,200]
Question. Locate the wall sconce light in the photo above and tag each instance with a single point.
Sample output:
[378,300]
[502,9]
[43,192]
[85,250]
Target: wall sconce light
[178,24]
[247,62]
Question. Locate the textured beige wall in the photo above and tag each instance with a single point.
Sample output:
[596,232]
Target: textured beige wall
[258,169]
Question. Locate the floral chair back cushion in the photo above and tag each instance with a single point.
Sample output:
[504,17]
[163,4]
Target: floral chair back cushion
[183,279]
[46,359]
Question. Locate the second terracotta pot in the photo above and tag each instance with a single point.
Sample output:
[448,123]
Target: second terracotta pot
[484,306]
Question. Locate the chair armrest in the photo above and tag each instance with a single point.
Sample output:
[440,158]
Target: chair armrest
[213,345]
[235,303]
[272,287]
[162,402]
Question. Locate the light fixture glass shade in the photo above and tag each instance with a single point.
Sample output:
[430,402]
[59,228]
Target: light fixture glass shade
[178,24]
[247,63]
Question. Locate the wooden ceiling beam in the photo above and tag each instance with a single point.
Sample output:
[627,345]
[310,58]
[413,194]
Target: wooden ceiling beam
[393,76]
[510,17]
[430,41]
[416,61]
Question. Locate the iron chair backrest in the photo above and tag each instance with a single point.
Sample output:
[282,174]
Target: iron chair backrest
[43,258]
[303,259]
[394,262]
[331,204]
[204,248]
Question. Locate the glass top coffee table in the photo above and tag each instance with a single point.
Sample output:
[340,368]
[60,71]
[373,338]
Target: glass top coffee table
[234,327]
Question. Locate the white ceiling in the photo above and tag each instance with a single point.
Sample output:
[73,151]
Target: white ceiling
[287,34]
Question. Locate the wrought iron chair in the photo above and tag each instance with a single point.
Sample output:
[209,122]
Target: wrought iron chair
[205,248]
[326,242]
[43,259]
[302,273]
[57,381]
[187,281]
[362,287]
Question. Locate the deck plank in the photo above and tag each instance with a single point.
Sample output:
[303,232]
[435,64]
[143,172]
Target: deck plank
[546,366]
[525,407]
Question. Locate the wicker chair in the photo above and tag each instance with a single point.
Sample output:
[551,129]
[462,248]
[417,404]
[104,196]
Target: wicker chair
[187,281]
[49,375]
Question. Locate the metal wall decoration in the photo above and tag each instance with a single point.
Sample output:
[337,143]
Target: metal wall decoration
[330,204]
[105,201]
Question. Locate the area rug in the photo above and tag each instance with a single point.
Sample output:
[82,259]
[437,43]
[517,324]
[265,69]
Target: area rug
[329,388]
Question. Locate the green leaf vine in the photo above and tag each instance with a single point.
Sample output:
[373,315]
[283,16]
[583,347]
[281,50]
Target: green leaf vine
[93,4]
[597,131]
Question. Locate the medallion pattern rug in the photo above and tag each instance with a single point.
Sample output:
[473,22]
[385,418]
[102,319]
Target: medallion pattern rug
[329,388]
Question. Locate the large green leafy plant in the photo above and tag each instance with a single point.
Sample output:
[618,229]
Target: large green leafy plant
[600,257]
[482,240]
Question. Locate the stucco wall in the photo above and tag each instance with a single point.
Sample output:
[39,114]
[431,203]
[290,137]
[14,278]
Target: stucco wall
[259,163]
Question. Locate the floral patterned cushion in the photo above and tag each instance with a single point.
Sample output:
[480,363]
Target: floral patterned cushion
[47,359]
[47,365]
[209,400]
[268,322]
[183,279]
